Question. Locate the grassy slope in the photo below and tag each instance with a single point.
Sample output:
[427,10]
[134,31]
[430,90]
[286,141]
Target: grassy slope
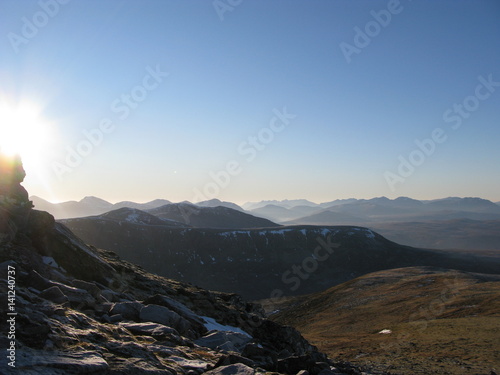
[442,321]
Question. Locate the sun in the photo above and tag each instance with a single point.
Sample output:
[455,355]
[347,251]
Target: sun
[23,131]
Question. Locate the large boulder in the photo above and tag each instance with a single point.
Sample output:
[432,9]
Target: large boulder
[61,362]
[163,315]
[224,340]
[177,307]
[129,310]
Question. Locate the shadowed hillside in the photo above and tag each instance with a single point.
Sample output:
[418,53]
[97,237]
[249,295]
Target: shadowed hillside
[258,263]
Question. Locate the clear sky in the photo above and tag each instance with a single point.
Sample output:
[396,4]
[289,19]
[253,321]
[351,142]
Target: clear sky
[254,99]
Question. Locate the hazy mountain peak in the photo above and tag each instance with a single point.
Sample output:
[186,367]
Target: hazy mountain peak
[218,202]
[133,216]
[286,203]
[95,201]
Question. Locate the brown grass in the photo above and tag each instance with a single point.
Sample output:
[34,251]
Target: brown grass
[442,322]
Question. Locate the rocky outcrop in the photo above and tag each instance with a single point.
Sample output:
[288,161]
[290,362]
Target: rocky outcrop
[83,310]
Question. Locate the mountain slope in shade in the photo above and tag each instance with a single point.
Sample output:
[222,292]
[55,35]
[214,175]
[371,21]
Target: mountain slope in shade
[327,217]
[281,214]
[406,321]
[210,217]
[445,234]
[256,263]
[135,216]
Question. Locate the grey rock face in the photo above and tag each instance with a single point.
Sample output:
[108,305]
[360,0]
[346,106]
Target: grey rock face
[55,295]
[128,310]
[236,369]
[227,341]
[165,316]
[61,362]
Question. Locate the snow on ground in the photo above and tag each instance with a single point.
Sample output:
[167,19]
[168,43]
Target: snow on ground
[50,262]
[369,233]
[212,325]
[133,218]
[233,233]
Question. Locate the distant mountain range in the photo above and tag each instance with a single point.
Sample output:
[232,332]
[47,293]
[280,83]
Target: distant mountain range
[259,262]
[89,206]
[382,210]
[461,223]
[302,211]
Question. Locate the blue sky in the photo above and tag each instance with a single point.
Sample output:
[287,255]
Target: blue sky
[206,80]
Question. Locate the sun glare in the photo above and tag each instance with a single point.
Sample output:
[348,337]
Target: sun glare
[23,131]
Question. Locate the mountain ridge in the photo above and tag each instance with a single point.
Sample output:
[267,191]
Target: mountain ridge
[377,213]
[271,258]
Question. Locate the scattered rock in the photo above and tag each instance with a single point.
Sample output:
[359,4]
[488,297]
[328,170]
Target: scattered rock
[149,329]
[89,287]
[178,308]
[230,359]
[128,310]
[55,295]
[236,369]
[293,365]
[165,316]
[83,362]
[228,341]
[197,365]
